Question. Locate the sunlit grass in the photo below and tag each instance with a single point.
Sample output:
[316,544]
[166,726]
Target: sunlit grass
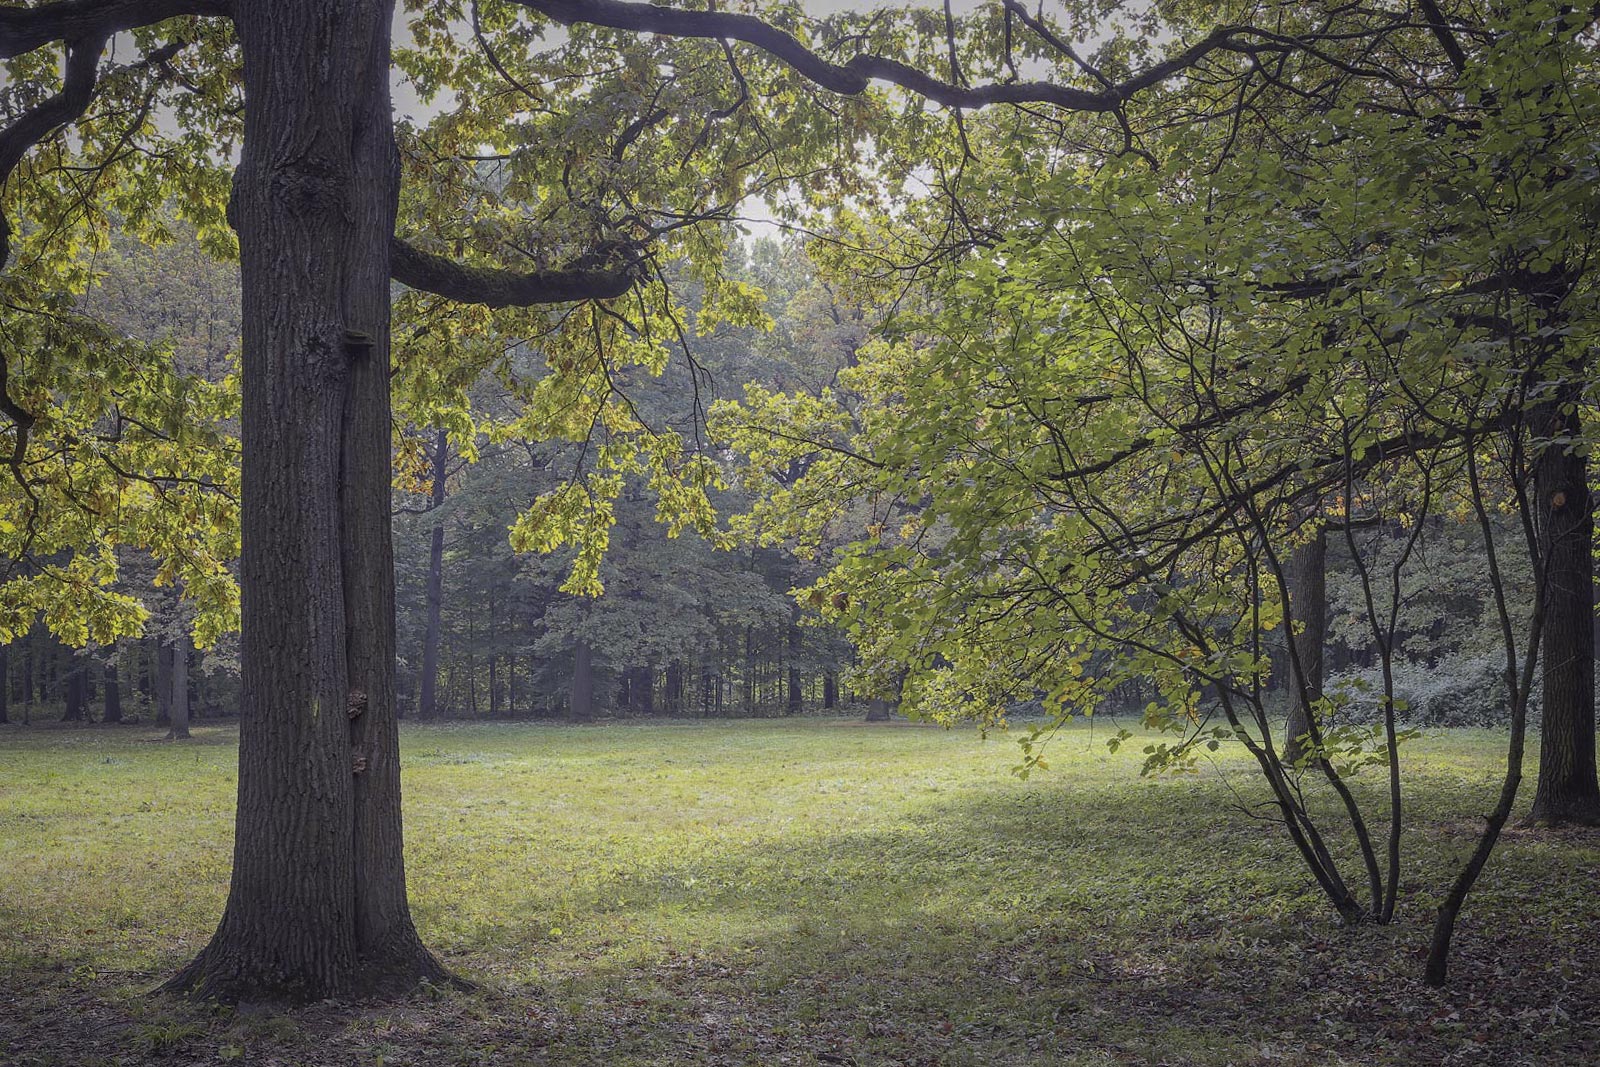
[808,886]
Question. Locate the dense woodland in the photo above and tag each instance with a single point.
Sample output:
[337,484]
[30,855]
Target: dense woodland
[1225,369]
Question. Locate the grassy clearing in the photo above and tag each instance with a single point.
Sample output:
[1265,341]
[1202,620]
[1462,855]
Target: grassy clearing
[796,892]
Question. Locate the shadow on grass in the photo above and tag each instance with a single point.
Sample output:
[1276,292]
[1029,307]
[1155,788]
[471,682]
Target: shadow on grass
[1057,924]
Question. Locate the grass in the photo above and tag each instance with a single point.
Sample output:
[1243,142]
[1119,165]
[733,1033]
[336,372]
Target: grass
[797,892]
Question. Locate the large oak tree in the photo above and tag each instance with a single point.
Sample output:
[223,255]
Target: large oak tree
[529,204]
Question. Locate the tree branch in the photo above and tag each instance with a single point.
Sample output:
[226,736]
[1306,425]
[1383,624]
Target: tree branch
[22,29]
[852,77]
[592,278]
[77,89]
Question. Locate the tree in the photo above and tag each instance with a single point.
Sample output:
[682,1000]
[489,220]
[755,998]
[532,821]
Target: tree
[1262,330]
[317,903]
[426,702]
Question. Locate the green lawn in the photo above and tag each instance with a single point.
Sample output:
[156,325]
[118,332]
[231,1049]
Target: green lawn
[797,892]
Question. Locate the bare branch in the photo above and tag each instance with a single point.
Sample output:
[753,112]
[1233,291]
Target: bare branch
[852,77]
[22,29]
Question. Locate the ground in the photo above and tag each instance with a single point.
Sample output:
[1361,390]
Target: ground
[797,892]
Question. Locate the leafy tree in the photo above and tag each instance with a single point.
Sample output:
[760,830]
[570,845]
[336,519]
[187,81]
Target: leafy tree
[1350,298]
[556,170]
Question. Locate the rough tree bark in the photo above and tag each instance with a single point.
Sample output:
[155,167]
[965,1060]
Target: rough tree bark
[317,906]
[1568,790]
[427,687]
[1306,576]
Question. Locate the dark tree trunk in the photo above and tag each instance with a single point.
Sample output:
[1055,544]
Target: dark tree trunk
[1306,575]
[795,698]
[163,696]
[113,693]
[30,654]
[178,709]
[1568,791]
[5,683]
[426,707]
[642,690]
[674,689]
[749,672]
[581,702]
[317,905]
[77,693]
[830,691]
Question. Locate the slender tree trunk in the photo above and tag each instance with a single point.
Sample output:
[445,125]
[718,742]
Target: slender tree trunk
[581,703]
[830,691]
[145,658]
[432,629]
[1568,791]
[643,690]
[674,688]
[113,693]
[178,710]
[30,655]
[511,682]
[1308,604]
[317,905]
[749,672]
[5,683]
[163,658]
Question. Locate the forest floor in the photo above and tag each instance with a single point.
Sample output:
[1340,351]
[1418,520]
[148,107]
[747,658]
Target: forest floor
[799,892]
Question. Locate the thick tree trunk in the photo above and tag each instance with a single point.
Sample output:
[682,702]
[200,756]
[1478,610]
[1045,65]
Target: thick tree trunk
[113,693]
[581,702]
[178,709]
[1568,791]
[427,686]
[1306,576]
[317,905]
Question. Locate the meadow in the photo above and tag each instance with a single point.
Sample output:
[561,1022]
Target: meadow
[808,891]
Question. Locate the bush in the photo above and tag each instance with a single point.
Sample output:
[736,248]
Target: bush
[1457,690]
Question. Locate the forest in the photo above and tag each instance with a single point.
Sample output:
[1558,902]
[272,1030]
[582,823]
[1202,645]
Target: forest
[868,532]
